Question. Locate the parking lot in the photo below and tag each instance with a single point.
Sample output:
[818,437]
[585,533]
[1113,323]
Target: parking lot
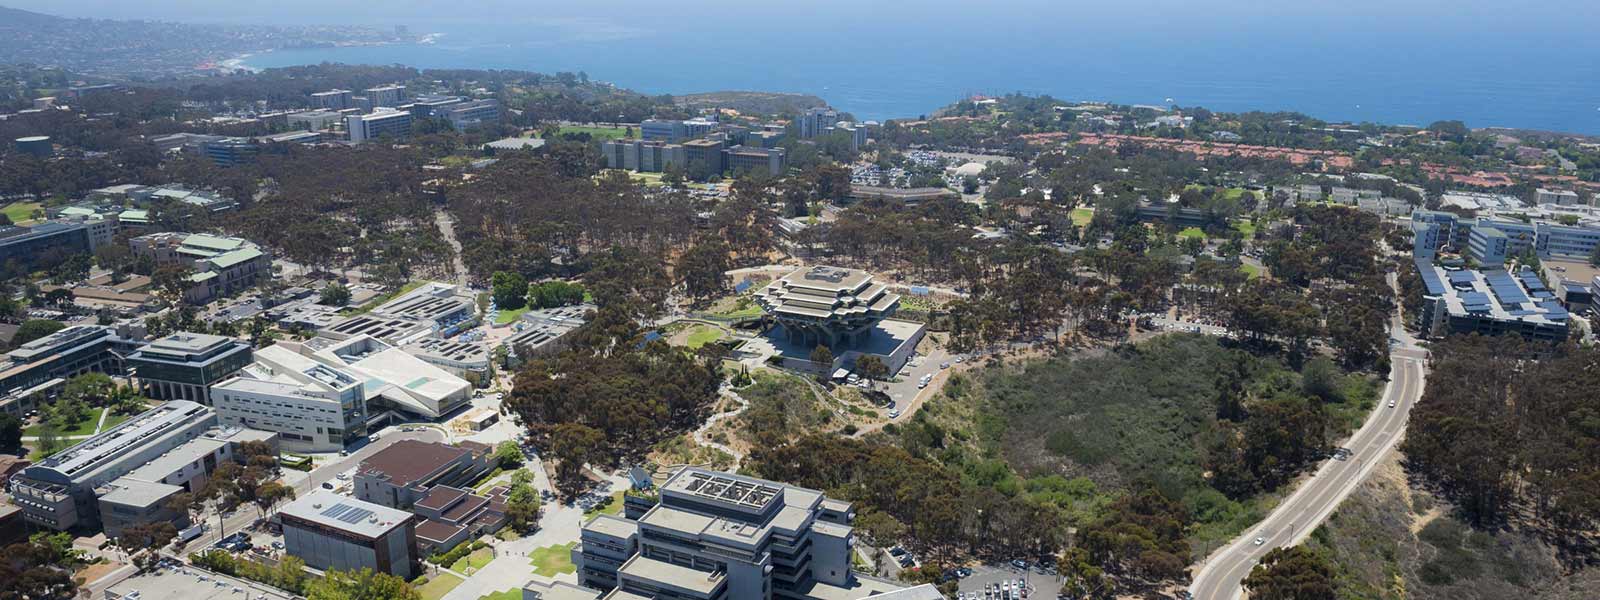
[1040,585]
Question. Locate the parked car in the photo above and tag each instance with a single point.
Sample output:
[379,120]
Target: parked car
[1020,564]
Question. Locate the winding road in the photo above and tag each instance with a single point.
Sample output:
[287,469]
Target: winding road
[1317,498]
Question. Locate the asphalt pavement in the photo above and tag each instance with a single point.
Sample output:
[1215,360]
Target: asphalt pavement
[1317,498]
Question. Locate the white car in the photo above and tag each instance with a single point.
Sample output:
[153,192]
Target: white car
[894,413]
[1260,541]
[1391,404]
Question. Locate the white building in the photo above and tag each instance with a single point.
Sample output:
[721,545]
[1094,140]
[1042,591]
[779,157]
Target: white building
[392,123]
[1557,197]
[313,407]
[392,378]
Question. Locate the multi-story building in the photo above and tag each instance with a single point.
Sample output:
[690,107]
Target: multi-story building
[230,151]
[1567,241]
[314,120]
[703,158]
[28,249]
[1487,246]
[395,380]
[405,472]
[716,536]
[643,156]
[1557,197]
[389,95]
[121,476]
[37,145]
[815,122]
[39,367]
[467,115]
[1489,302]
[856,132]
[453,515]
[740,159]
[222,266]
[330,531]
[311,406]
[390,123]
[184,366]
[429,106]
[333,100]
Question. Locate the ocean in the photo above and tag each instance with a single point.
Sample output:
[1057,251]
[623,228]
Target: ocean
[886,65]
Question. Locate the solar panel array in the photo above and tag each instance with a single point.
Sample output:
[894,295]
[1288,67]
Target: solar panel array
[347,513]
[1505,288]
[1430,279]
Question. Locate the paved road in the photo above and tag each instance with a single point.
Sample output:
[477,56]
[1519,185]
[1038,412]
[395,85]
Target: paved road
[1220,576]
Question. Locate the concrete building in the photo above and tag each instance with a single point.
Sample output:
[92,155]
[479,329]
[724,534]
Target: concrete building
[395,380]
[222,266]
[393,124]
[405,472]
[1557,197]
[703,158]
[1566,241]
[544,332]
[768,161]
[815,122]
[311,406]
[453,515]
[860,193]
[37,145]
[391,96]
[1487,247]
[122,476]
[184,366]
[315,120]
[1489,302]
[39,368]
[827,306]
[715,536]
[333,100]
[856,132]
[230,152]
[468,115]
[643,156]
[36,247]
[663,130]
[329,531]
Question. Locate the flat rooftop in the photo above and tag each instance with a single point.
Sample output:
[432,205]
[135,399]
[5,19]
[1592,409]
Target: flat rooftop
[668,574]
[186,583]
[613,526]
[77,461]
[347,514]
[407,461]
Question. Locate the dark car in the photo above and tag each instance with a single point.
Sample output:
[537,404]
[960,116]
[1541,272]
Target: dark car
[1019,563]
[897,551]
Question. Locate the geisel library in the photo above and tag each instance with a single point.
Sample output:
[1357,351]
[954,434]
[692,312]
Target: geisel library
[843,309]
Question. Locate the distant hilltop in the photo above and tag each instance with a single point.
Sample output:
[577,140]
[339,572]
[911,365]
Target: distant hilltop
[142,49]
[768,103]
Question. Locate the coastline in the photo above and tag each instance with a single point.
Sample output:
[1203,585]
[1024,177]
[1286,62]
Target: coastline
[237,63]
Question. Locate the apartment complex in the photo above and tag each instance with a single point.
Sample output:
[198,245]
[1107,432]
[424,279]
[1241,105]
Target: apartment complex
[714,536]
[385,123]
[311,406]
[330,531]
[184,366]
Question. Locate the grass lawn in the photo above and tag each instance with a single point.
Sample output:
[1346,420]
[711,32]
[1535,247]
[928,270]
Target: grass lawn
[511,594]
[474,561]
[1082,216]
[113,420]
[1192,232]
[1245,227]
[613,508]
[507,316]
[735,308]
[599,133]
[702,335]
[1250,270]
[20,211]
[1229,193]
[438,586]
[550,561]
[84,428]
